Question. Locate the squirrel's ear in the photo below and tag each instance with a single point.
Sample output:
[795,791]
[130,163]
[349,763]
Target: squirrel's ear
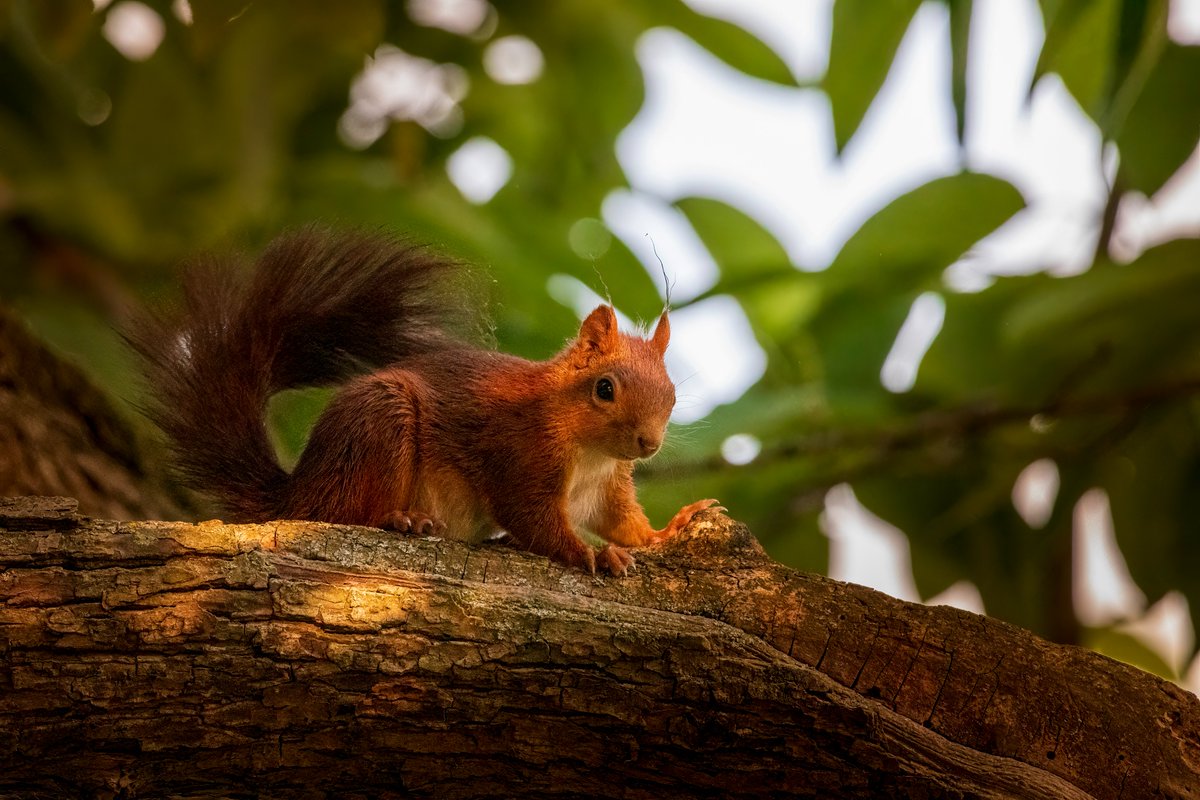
[662,333]
[599,331]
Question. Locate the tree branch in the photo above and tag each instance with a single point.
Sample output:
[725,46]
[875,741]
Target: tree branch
[297,659]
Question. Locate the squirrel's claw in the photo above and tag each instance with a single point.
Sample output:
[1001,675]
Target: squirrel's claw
[415,522]
[683,517]
[615,560]
[610,559]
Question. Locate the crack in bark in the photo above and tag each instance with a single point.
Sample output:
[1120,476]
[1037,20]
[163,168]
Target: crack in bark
[938,697]
[824,650]
[866,659]
[911,664]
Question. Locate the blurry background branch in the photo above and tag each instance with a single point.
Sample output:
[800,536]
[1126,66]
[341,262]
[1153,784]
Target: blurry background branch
[934,429]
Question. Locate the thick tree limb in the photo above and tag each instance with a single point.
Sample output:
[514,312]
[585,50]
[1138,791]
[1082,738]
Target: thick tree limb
[299,659]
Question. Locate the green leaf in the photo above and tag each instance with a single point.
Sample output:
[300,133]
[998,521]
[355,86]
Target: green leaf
[769,413]
[1079,46]
[960,39]
[961,523]
[914,238]
[872,283]
[1140,42]
[1104,51]
[1130,31]
[731,43]
[866,34]
[967,362]
[854,332]
[744,250]
[1151,479]
[1112,329]
[1123,647]
[62,26]
[1163,126]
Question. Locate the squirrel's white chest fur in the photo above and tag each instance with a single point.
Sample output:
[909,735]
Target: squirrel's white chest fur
[586,488]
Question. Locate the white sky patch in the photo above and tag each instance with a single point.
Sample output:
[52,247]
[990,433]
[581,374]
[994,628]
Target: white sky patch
[864,549]
[741,448]
[1173,212]
[1166,628]
[134,29]
[479,169]
[707,130]
[963,594]
[1102,588]
[1035,491]
[463,17]
[513,60]
[395,85]
[913,341]
[907,137]
[1191,681]
[182,9]
[1183,21]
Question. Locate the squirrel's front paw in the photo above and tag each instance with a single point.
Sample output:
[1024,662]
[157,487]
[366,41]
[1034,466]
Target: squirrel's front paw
[614,560]
[608,559]
[682,517]
[416,522]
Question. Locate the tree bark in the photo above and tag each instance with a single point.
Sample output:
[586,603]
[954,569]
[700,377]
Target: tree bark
[303,660]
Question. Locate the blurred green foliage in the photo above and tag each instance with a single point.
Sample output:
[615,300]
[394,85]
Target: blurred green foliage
[112,171]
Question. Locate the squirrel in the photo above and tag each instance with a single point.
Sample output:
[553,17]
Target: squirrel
[427,434]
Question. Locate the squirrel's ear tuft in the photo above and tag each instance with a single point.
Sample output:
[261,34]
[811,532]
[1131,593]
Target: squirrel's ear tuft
[662,333]
[599,331]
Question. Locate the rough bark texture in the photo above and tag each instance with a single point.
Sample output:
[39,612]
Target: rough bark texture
[303,660]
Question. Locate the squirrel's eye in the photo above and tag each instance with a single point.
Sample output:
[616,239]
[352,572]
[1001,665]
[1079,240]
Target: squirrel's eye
[605,389]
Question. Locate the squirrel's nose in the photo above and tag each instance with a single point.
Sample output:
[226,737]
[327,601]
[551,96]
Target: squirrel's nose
[648,445]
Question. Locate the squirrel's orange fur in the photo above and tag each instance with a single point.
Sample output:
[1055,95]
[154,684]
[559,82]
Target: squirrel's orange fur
[441,437]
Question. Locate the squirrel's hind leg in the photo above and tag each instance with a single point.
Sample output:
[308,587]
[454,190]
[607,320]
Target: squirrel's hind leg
[361,465]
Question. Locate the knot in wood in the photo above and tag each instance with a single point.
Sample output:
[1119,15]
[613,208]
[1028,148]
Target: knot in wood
[714,537]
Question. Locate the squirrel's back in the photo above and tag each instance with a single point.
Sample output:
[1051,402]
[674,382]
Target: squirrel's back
[318,308]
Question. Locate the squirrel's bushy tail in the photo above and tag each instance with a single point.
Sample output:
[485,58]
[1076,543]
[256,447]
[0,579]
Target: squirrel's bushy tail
[319,307]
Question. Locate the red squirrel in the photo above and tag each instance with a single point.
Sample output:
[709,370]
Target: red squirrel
[427,433]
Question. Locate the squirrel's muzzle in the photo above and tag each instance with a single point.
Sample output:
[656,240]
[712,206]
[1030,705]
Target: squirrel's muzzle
[648,445]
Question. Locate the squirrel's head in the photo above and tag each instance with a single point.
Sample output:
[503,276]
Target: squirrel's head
[623,381]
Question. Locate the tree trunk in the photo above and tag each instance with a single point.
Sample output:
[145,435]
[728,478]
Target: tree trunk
[302,660]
